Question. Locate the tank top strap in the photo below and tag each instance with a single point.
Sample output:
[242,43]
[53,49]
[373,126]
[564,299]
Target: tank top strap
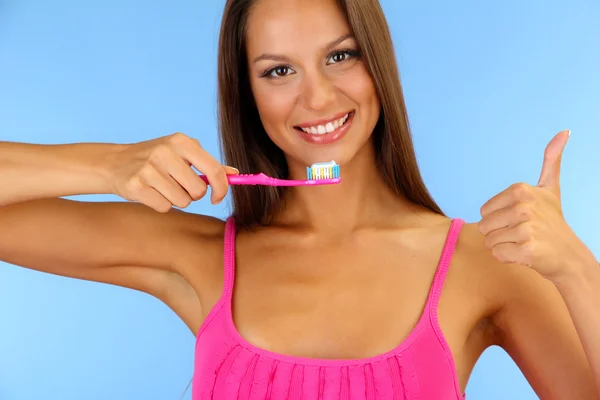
[224,302]
[229,258]
[444,264]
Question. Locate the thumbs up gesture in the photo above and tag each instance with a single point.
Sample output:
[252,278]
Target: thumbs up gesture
[524,224]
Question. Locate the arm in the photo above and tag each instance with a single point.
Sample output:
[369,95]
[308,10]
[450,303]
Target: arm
[121,243]
[31,172]
[550,320]
[538,332]
[532,323]
[581,294]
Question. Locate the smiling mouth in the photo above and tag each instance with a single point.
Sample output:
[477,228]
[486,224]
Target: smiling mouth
[327,128]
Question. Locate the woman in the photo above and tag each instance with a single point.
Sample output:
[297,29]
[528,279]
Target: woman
[358,290]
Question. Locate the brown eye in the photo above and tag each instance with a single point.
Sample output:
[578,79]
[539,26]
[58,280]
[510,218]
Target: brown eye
[281,71]
[338,57]
[341,56]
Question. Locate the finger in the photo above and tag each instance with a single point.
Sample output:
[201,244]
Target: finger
[209,166]
[231,170]
[153,199]
[518,192]
[505,217]
[186,177]
[516,234]
[507,252]
[166,186]
[498,202]
[550,175]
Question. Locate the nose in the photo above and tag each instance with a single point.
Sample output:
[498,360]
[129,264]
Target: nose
[319,92]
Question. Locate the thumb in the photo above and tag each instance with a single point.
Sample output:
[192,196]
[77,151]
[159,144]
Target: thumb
[230,170]
[550,176]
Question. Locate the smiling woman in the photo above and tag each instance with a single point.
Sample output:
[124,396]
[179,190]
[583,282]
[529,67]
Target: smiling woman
[306,65]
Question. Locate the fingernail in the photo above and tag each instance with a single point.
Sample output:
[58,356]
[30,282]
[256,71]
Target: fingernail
[236,170]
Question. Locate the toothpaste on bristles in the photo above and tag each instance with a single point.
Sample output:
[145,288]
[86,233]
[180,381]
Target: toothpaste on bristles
[324,170]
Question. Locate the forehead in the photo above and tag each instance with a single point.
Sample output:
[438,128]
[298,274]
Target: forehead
[281,26]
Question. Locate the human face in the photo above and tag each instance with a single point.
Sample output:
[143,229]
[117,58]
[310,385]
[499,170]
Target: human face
[314,95]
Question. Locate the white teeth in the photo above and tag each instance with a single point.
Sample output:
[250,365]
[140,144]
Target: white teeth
[328,128]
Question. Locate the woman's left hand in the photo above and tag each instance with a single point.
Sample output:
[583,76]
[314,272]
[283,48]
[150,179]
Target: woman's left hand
[524,224]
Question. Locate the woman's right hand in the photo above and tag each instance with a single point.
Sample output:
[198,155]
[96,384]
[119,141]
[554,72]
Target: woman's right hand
[159,174]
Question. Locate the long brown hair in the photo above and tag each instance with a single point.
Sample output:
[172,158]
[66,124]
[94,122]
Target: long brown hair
[245,144]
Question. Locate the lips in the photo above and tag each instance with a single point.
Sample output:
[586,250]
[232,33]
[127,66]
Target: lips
[326,131]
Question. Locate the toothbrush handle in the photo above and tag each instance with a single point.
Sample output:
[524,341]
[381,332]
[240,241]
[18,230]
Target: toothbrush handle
[246,179]
[262,179]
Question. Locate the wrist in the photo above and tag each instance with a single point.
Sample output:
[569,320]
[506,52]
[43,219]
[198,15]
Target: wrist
[579,273]
[105,165]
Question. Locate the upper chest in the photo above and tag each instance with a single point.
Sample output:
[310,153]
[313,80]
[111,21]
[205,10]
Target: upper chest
[352,298]
[355,298]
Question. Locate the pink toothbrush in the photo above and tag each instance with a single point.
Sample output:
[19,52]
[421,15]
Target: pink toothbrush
[317,174]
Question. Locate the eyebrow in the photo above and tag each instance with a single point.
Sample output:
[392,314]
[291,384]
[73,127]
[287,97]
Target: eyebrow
[276,57]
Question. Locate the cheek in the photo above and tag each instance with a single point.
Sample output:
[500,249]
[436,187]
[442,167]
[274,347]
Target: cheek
[363,88]
[274,104]
[359,87]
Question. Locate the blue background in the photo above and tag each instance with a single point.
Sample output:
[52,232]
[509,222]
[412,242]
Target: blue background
[487,86]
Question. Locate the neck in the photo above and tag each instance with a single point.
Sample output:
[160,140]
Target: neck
[362,199]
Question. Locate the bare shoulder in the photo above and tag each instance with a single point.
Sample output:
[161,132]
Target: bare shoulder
[198,224]
[500,285]
[503,283]
[471,297]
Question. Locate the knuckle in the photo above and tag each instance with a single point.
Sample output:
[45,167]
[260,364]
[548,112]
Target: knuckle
[525,230]
[483,228]
[519,189]
[177,137]
[146,173]
[523,210]
[483,210]
[134,187]
[181,139]
[198,191]
[523,191]
[216,172]
[159,153]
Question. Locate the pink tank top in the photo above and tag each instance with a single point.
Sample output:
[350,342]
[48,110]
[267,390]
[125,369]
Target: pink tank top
[228,367]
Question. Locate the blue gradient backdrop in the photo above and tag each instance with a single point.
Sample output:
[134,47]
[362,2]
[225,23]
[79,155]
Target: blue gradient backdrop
[487,85]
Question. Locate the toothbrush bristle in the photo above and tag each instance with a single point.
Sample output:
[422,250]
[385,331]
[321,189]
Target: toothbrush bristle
[326,170]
